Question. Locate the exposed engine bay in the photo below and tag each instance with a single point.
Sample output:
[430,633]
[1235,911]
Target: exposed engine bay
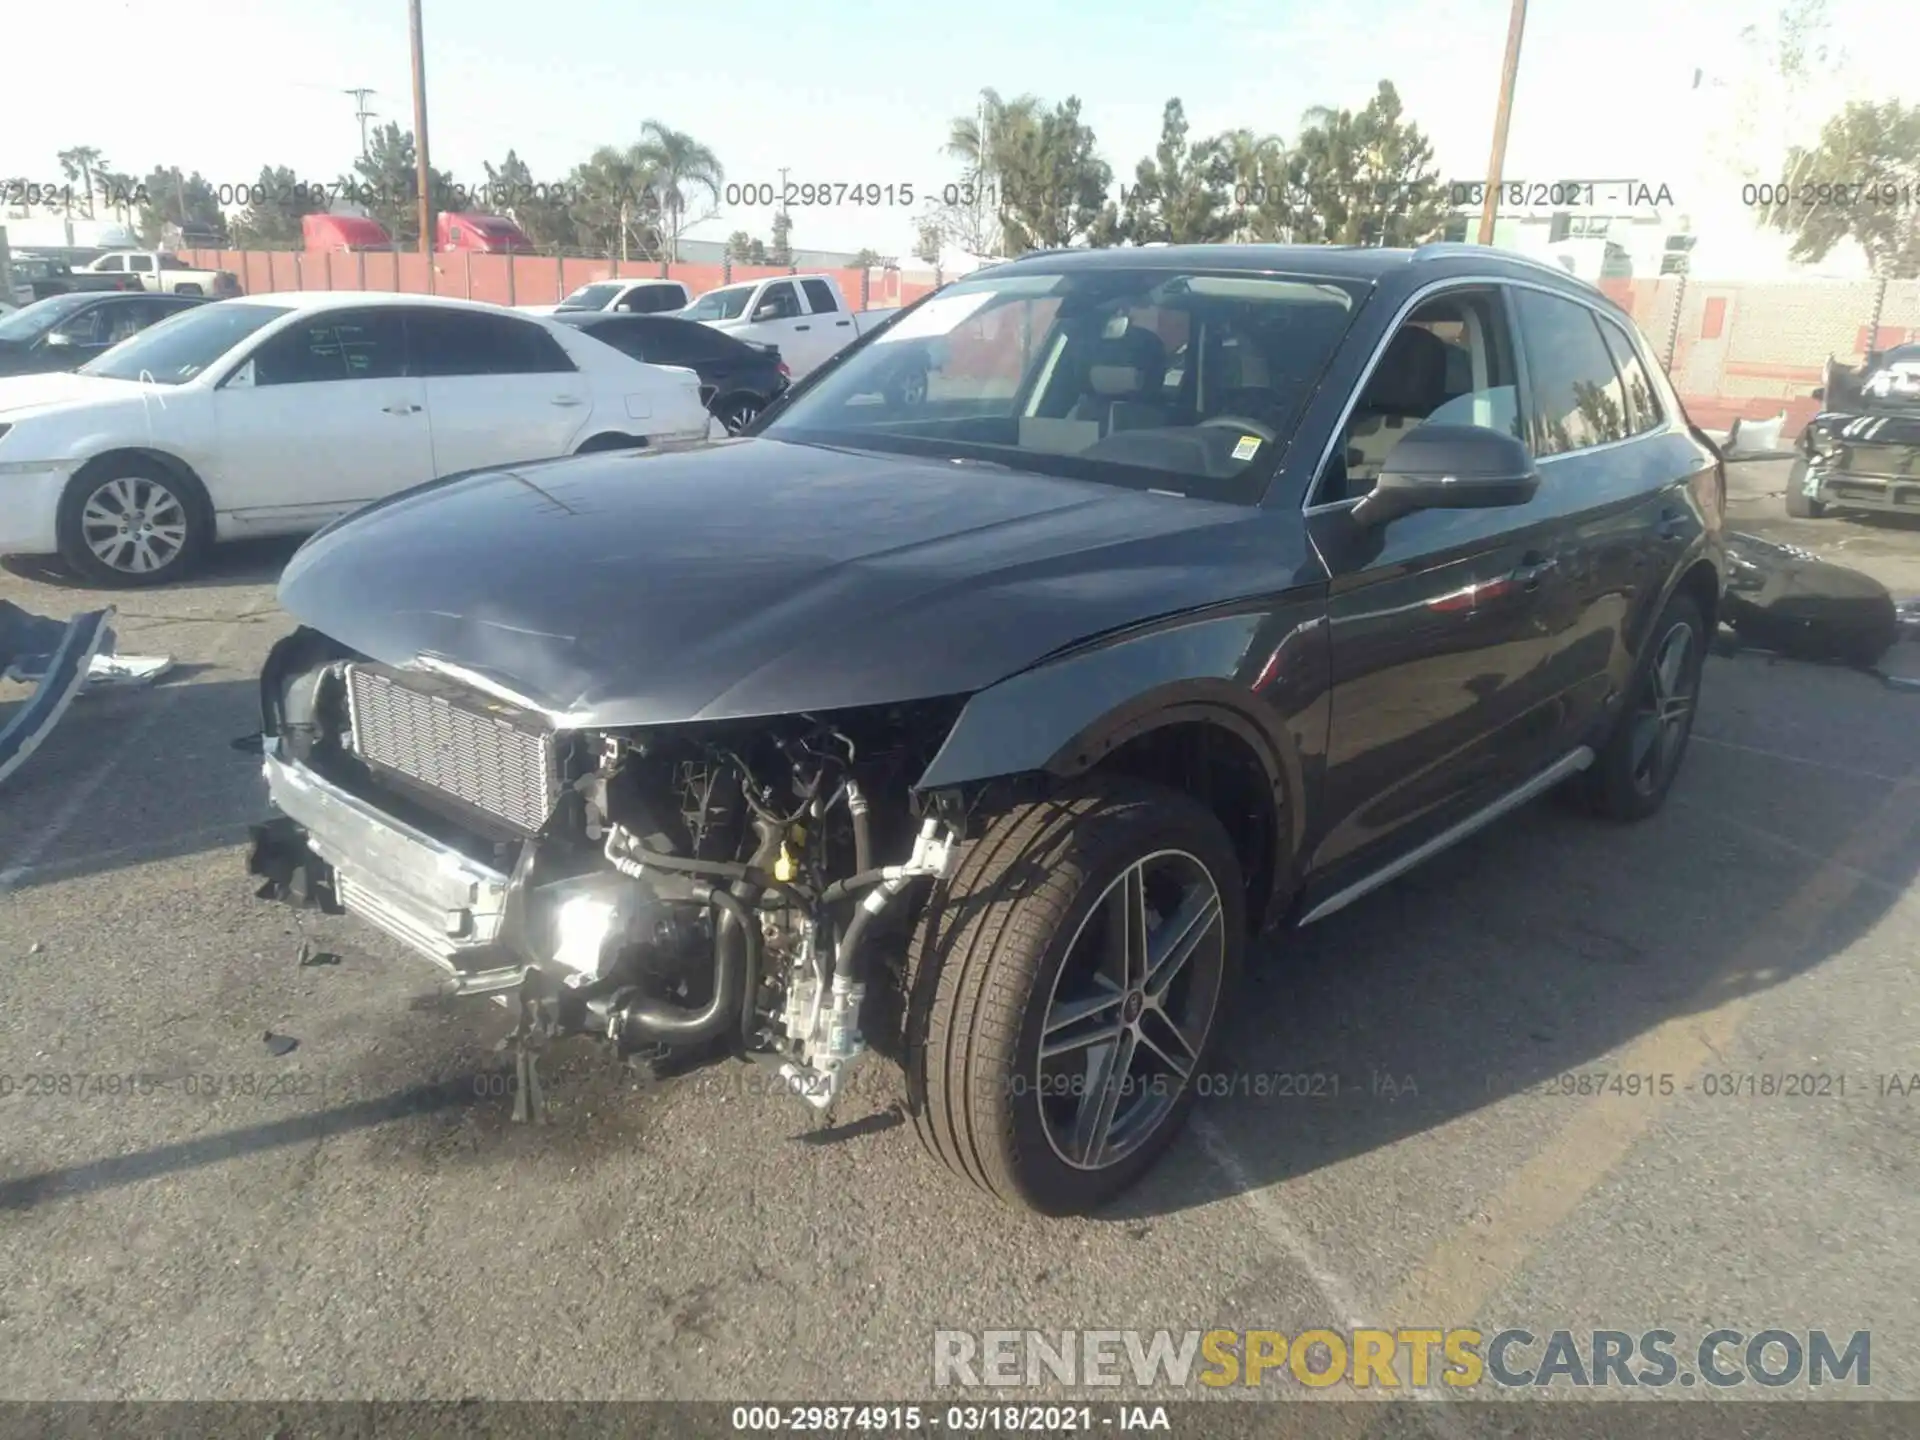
[683,892]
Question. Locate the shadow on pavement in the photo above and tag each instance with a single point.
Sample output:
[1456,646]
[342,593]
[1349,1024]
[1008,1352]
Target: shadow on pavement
[240,562]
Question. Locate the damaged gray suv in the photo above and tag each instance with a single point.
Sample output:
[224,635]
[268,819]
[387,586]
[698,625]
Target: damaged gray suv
[1202,591]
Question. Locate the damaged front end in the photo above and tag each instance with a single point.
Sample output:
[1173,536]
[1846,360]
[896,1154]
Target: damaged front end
[682,891]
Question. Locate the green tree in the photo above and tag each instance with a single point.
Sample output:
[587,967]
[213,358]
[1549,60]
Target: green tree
[81,163]
[866,260]
[684,170]
[540,210]
[744,248]
[272,218]
[1366,178]
[1263,194]
[1183,195]
[616,208]
[970,213]
[1053,184]
[386,180]
[780,252]
[186,201]
[1870,154]
[928,240]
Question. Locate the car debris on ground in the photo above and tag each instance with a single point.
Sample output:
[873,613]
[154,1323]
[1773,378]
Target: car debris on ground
[1788,600]
[61,659]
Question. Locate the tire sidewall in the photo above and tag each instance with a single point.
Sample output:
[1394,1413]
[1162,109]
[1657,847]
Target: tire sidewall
[81,559]
[1799,504]
[1618,795]
[1052,1185]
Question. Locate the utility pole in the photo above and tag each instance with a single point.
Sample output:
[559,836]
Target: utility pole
[1496,166]
[362,113]
[420,129]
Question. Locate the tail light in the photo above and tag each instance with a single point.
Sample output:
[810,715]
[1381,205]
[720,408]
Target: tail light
[781,366]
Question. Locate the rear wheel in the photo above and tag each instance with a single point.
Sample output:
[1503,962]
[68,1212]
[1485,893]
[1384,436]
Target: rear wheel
[1800,504]
[737,412]
[1065,990]
[1631,777]
[130,523]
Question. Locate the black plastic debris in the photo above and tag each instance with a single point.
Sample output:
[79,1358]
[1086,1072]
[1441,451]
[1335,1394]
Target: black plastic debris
[1788,600]
[70,648]
[280,1044]
[311,956]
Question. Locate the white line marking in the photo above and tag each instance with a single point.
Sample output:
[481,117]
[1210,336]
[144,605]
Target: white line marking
[1857,774]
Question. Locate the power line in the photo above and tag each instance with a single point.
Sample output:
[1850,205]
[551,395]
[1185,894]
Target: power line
[362,113]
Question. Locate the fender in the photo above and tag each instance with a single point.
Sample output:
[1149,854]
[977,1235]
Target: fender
[1260,674]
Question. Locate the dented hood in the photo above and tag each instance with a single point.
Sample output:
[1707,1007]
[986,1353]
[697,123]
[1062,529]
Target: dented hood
[759,577]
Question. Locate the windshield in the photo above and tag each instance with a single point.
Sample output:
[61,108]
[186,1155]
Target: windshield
[1190,382]
[184,345]
[728,304]
[1894,383]
[27,323]
[591,297]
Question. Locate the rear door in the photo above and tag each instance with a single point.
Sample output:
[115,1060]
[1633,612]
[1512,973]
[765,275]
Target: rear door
[1447,626]
[322,417]
[499,389]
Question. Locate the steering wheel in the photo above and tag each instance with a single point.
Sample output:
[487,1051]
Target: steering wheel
[1244,426]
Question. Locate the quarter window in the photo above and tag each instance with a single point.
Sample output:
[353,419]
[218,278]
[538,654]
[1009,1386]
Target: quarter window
[1643,401]
[1578,400]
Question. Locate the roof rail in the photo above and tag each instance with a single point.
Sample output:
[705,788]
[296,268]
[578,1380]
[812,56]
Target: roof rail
[1454,249]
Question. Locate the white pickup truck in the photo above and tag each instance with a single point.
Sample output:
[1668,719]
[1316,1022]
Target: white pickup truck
[166,274]
[633,297]
[804,316]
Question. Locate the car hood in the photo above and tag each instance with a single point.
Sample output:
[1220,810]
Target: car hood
[759,577]
[22,396]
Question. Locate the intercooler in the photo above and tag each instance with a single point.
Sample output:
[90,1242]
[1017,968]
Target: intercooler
[456,742]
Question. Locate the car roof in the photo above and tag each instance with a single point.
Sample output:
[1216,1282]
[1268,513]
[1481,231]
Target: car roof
[314,300]
[1358,262]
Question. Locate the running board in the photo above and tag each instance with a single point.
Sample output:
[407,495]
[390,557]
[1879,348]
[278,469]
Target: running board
[1570,764]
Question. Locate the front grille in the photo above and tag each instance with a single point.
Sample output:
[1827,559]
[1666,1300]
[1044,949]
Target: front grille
[455,741]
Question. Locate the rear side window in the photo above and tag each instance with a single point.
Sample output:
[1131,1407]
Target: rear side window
[1643,401]
[1578,400]
[652,300]
[447,343]
[336,345]
[819,296]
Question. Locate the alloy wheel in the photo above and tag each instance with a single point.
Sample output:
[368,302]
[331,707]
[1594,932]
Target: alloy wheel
[1130,1009]
[1665,713]
[134,525]
[739,415]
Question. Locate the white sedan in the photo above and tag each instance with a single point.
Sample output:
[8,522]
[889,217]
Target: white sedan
[274,415]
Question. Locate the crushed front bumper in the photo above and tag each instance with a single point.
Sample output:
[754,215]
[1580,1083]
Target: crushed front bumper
[1893,494]
[438,902]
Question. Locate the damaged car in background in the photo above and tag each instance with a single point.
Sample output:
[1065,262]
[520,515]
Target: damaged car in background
[1862,451]
[985,731]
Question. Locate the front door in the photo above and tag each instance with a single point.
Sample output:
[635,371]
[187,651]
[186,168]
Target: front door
[788,326]
[321,418]
[1446,625]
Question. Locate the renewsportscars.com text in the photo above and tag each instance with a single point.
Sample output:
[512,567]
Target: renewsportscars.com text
[1379,1360]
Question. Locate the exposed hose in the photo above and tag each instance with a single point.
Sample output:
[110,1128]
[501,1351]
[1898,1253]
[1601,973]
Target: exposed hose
[847,955]
[862,828]
[662,1020]
[621,854]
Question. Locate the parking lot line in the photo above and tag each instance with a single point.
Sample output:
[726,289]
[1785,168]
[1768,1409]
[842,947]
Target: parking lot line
[1786,759]
[1470,1265]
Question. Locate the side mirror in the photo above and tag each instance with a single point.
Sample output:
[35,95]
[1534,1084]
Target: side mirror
[59,340]
[767,312]
[1450,467]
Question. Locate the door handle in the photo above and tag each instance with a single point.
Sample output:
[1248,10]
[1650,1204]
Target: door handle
[402,409]
[843,322]
[803,327]
[1534,567]
[566,400]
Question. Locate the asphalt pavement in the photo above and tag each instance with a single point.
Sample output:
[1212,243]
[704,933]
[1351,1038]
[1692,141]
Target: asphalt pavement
[190,1215]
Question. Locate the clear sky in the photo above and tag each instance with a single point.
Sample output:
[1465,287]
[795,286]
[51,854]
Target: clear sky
[863,93]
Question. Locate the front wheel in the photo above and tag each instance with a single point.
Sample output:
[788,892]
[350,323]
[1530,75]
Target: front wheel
[1630,778]
[1065,991]
[1800,504]
[131,523]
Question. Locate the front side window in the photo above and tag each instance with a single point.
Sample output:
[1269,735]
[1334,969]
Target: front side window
[184,345]
[653,300]
[30,321]
[116,263]
[777,302]
[1073,372]
[728,304]
[1578,400]
[591,297]
[1450,363]
[334,345]
[89,327]
[447,343]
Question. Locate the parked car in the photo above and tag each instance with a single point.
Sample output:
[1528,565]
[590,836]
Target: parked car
[276,414]
[1862,452]
[344,232]
[41,277]
[805,317]
[67,331]
[489,234]
[634,297]
[167,274]
[738,378]
[985,736]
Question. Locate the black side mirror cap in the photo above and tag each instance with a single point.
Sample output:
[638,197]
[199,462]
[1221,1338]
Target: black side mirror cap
[1450,467]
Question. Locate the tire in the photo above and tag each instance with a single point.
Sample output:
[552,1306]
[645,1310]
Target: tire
[1019,928]
[737,412]
[1801,505]
[1631,776]
[599,444]
[173,508]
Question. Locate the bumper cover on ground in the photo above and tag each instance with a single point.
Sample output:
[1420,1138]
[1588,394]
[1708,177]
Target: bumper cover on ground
[71,648]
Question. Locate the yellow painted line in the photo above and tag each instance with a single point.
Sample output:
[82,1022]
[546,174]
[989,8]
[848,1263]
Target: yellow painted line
[1454,1282]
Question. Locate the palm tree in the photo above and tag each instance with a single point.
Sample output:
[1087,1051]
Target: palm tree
[617,196]
[680,163]
[80,163]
